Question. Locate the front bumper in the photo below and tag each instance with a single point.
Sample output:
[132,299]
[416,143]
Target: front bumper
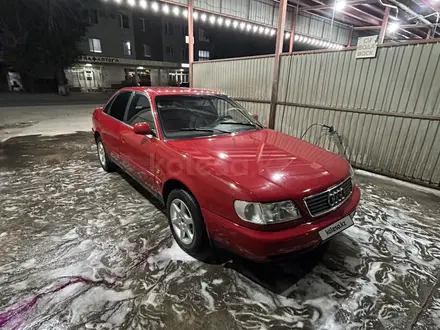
[266,245]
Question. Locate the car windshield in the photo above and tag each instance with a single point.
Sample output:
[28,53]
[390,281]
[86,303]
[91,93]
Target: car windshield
[187,116]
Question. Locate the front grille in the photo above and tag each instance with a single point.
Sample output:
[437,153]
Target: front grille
[330,199]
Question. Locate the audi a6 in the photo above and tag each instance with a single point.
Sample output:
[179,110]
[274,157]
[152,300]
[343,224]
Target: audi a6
[224,178]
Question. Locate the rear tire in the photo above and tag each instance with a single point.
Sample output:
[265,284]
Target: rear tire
[186,223]
[104,160]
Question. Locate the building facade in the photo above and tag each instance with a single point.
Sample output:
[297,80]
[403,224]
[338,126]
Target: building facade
[125,48]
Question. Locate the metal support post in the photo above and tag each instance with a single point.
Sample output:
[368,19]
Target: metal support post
[278,51]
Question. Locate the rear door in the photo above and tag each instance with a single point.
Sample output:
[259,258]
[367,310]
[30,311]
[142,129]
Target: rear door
[140,150]
[113,123]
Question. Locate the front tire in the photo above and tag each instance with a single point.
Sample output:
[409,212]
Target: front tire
[186,222]
[104,160]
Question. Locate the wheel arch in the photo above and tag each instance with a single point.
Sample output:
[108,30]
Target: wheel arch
[172,184]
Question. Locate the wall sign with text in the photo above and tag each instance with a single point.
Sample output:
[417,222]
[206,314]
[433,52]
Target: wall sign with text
[367,47]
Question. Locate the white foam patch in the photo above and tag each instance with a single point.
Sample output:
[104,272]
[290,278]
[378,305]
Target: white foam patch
[207,296]
[172,253]
[400,182]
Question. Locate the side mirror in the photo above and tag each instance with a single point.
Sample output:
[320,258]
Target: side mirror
[255,116]
[142,129]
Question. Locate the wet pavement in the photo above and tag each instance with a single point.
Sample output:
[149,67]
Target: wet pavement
[84,249]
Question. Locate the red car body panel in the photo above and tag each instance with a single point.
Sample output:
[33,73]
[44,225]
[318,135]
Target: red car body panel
[257,165]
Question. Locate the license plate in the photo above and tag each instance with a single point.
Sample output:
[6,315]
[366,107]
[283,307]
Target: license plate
[336,228]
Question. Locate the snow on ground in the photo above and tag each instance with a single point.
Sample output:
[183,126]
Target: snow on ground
[81,248]
[45,120]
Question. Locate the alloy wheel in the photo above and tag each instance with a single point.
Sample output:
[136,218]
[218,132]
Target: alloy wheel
[182,221]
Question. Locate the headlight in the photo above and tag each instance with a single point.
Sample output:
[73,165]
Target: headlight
[267,213]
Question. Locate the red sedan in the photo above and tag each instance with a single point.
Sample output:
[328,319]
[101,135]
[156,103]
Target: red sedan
[223,177]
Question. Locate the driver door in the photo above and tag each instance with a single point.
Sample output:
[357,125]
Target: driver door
[140,150]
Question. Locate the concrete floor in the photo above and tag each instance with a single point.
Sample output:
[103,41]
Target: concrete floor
[83,249]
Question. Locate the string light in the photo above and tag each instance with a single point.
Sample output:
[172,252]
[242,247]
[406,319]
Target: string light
[176,10]
[155,6]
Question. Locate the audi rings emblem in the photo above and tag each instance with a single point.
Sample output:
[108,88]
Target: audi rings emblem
[336,196]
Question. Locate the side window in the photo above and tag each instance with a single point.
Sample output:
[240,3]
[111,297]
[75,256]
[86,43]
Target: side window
[140,112]
[117,109]
[108,106]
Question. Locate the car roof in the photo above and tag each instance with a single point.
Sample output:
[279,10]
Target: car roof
[156,91]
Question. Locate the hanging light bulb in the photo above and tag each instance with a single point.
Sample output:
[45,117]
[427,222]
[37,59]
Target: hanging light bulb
[266,31]
[143,4]
[212,19]
[393,27]
[248,27]
[272,32]
[296,37]
[255,28]
[220,20]
[235,24]
[227,22]
[185,13]
[195,15]
[242,25]
[340,5]
[131,3]
[176,11]
[261,29]
[287,35]
[166,9]
[203,17]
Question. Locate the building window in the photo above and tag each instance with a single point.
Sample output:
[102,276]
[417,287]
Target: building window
[93,16]
[127,48]
[203,55]
[169,28]
[95,45]
[123,21]
[203,36]
[170,51]
[145,25]
[185,54]
[147,50]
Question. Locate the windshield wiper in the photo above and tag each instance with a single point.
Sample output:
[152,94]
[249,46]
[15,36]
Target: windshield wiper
[202,129]
[235,123]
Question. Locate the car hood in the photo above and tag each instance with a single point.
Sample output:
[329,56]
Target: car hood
[266,162]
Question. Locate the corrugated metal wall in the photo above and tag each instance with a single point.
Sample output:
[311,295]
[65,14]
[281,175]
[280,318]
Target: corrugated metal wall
[387,108]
